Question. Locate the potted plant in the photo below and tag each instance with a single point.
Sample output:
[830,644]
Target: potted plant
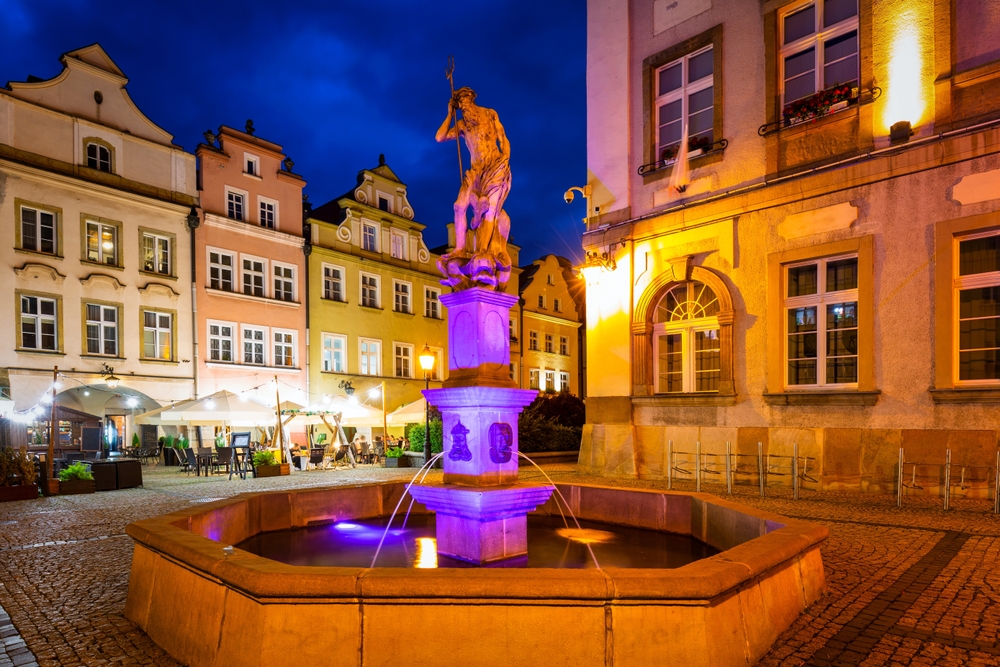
[818,105]
[394,458]
[267,465]
[17,475]
[76,478]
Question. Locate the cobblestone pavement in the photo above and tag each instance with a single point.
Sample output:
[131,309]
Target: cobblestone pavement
[910,586]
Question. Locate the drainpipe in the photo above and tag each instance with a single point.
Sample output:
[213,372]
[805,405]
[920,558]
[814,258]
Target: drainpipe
[520,344]
[307,251]
[192,222]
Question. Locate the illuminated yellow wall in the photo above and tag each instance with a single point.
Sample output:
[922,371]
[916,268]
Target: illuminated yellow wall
[903,56]
[608,332]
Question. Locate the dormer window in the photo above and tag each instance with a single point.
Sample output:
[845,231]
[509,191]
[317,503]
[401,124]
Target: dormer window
[383,204]
[99,157]
[251,165]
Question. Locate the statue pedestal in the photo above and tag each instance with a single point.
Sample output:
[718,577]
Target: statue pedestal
[481,510]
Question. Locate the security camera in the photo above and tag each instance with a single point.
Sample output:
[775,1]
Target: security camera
[568,196]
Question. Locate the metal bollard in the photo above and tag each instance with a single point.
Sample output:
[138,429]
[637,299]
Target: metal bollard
[670,464]
[899,480]
[947,478]
[729,469]
[996,486]
[697,466]
[760,467]
[795,470]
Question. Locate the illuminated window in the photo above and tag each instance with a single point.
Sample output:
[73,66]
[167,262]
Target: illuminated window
[254,346]
[819,47]
[686,340]
[550,381]
[533,378]
[978,313]
[371,353]
[334,353]
[821,320]
[102,329]
[284,282]
[284,348]
[156,254]
[685,96]
[102,243]
[157,335]
[563,381]
[398,245]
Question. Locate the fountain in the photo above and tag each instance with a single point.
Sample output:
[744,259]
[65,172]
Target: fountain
[748,576]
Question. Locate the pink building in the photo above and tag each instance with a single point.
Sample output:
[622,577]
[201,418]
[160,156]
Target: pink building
[250,269]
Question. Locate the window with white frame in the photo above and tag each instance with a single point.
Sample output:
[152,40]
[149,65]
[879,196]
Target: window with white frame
[541,301]
[251,164]
[549,280]
[156,254]
[686,343]
[563,381]
[369,237]
[334,353]
[38,230]
[220,270]
[557,305]
[550,381]
[284,348]
[432,303]
[98,157]
[819,47]
[39,324]
[102,329]
[369,290]
[237,205]
[268,213]
[333,283]
[978,313]
[157,335]
[254,345]
[532,340]
[284,282]
[398,245]
[220,341]
[437,371]
[533,378]
[821,317]
[685,97]
[510,329]
[404,360]
[548,343]
[253,276]
[513,371]
[563,345]
[102,243]
[370,356]
[401,296]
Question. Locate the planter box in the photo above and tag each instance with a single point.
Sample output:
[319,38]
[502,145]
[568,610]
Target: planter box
[273,471]
[73,486]
[401,462]
[20,492]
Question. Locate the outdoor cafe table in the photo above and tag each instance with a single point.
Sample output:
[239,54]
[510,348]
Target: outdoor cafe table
[204,459]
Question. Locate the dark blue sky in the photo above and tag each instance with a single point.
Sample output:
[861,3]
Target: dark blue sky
[336,83]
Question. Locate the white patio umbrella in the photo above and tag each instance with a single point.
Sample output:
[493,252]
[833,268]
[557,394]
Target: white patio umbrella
[353,413]
[155,417]
[411,413]
[222,407]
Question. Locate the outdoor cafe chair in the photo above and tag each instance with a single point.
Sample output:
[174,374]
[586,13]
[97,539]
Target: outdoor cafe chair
[316,457]
[192,460]
[224,458]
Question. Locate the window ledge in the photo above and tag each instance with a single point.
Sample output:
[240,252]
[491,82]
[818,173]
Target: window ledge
[862,398]
[239,366]
[167,362]
[38,253]
[48,353]
[340,301]
[250,297]
[253,176]
[161,276]
[697,399]
[105,357]
[371,307]
[403,312]
[979,394]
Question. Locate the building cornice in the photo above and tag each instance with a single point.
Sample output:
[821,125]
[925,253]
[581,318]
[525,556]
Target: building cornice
[552,318]
[340,256]
[250,229]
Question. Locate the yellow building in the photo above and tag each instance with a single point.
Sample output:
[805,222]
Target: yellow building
[549,329]
[374,295]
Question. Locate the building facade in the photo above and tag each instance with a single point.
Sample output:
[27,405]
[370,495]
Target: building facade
[251,269]
[96,204]
[826,277]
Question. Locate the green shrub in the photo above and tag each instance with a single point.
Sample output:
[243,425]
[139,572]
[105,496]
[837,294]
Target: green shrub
[16,467]
[135,440]
[416,437]
[264,458]
[168,441]
[220,440]
[75,471]
[394,452]
[537,434]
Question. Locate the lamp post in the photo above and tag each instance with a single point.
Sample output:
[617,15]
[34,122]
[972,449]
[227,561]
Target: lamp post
[427,359]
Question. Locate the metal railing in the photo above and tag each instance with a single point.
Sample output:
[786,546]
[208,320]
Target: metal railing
[946,472]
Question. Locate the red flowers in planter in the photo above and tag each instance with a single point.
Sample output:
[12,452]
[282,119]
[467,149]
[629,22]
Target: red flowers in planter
[817,105]
[694,143]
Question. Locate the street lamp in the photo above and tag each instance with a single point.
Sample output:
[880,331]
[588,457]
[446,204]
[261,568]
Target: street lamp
[427,359]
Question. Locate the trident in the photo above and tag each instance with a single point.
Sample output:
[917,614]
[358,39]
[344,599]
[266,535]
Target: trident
[449,72]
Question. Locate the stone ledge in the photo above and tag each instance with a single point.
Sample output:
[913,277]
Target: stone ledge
[862,398]
[966,395]
[706,399]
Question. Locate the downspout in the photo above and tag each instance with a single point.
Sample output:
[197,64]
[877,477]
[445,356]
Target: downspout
[307,251]
[192,222]
[520,343]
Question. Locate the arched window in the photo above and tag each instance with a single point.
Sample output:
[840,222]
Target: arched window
[98,157]
[686,341]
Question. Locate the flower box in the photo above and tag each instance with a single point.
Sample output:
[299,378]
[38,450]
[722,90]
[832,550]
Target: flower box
[819,105]
[69,487]
[401,462]
[274,471]
[20,492]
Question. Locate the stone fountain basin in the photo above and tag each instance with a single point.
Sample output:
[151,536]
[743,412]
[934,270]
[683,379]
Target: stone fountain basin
[209,609]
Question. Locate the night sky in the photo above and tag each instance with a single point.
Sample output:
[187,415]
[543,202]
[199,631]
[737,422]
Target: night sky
[337,83]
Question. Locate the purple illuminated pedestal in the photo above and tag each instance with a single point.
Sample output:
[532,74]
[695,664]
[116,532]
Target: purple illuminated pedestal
[481,509]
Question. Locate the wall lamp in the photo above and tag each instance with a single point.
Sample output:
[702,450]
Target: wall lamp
[108,373]
[346,386]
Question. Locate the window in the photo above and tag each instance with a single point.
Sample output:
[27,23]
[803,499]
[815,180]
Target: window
[220,271]
[533,378]
[557,305]
[401,296]
[102,329]
[284,282]
[237,205]
[563,345]
[371,353]
[99,157]
[157,335]
[686,340]
[513,371]
[404,357]
[284,348]
[821,313]
[432,303]
[369,237]
[156,254]
[510,328]
[383,204]
[974,44]
[819,47]
[548,343]
[333,283]
[549,280]
[369,290]
[252,165]
[532,340]
[978,311]
[253,276]
[334,353]
[437,372]
[550,381]
[685,97]
[102,243]
[39,330]
[398,245]
[268,216]
[220,342]
[563,381]
[541,301]
[254,346]
[38,230]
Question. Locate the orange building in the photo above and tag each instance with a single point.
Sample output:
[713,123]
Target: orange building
[250,269]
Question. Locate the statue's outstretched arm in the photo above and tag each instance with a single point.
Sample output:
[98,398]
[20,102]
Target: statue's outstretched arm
[447,132]
[501,137]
